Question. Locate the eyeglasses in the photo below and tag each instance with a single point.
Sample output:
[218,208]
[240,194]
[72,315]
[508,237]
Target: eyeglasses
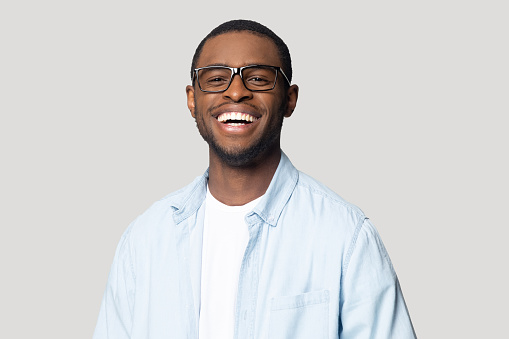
[256,78]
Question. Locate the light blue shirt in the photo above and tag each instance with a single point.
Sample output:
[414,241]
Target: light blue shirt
[314,267]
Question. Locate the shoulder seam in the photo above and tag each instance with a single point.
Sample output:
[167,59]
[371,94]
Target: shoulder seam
[351,248]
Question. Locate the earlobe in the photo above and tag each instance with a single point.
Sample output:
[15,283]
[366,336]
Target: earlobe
[190,99]
[292,94]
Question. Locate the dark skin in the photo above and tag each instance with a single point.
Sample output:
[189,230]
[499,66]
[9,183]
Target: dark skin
[237,183]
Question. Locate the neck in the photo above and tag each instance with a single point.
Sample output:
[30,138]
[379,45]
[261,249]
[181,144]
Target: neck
[236,186]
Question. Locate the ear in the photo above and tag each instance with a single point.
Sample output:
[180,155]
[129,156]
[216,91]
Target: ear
[291,95]
[190,99]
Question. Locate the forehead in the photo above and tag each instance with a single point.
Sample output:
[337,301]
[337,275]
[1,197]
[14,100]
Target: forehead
[237,49]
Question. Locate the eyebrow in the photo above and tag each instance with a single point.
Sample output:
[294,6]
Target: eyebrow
[218,64]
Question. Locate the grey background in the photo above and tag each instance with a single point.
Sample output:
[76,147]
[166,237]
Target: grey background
[403,111]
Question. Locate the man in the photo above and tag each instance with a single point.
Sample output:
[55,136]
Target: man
[253,248]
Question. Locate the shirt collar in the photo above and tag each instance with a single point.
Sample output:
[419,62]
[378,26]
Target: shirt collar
[187,201]
[280,189]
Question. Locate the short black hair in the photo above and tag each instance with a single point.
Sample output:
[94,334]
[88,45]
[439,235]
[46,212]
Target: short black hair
[252,27]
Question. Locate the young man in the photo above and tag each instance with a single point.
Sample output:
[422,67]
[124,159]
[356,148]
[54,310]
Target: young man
[253,248]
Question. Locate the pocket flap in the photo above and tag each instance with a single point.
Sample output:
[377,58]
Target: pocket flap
[300,300]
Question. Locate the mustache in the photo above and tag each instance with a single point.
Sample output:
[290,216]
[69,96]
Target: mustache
[211,109]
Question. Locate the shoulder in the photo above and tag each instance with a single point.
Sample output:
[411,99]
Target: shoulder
[158,217]
[320,213]
[317,192]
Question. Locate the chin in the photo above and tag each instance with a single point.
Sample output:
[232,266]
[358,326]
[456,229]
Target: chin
[245,157]
[237,158]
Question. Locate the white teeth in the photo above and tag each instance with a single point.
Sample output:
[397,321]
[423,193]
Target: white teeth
[236,116]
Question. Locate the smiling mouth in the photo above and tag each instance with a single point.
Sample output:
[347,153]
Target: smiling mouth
[236,118]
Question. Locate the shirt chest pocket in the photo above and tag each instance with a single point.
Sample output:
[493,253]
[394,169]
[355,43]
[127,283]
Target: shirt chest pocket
[301,316]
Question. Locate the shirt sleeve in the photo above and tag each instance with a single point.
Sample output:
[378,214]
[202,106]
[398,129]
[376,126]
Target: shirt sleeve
[115,315]
[371,303]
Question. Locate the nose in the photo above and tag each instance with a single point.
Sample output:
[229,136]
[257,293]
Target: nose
[237,91]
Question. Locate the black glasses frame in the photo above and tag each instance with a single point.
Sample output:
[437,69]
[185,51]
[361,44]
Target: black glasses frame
[238,70]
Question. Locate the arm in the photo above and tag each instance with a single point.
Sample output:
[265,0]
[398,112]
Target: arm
[115,316]
[371,304]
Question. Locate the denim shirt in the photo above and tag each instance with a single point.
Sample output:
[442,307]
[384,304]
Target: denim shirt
[314,267]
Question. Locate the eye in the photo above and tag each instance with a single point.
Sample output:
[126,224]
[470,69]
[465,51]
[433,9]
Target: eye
[258,80]
[215,81]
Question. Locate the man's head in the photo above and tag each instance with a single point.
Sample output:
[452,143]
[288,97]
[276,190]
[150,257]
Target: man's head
[240,122]
[254,28]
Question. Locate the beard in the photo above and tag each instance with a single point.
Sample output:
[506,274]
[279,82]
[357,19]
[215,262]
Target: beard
[242,157]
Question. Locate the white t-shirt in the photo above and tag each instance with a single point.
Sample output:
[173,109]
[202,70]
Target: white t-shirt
[225,237]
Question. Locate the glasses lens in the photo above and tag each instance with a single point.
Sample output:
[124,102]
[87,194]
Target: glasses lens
[214,78]
[259,78]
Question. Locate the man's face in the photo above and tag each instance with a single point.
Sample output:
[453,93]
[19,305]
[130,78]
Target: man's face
[240,143]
